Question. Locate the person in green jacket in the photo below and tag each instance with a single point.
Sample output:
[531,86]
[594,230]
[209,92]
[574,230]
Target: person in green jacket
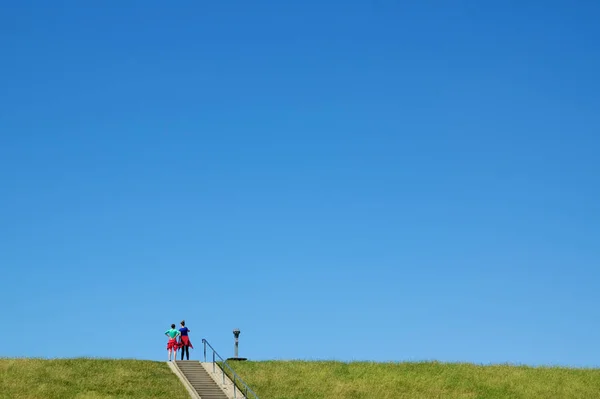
[172,334]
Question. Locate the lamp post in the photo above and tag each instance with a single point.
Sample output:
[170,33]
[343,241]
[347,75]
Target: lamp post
[236,335]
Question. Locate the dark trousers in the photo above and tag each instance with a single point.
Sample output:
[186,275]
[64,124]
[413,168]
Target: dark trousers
[185,349]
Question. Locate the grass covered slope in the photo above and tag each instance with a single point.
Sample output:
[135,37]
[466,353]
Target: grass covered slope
[335,380]
[87,379]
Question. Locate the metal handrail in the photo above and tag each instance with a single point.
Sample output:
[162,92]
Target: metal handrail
[236,378]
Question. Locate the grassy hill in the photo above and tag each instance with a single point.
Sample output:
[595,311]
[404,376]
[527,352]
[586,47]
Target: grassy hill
[360,380]
[94,379]
[87,379]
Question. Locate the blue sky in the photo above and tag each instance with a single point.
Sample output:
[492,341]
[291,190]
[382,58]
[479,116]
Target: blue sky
[378,180]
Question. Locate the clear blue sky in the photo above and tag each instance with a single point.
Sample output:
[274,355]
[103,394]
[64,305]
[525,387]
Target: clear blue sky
[380,180]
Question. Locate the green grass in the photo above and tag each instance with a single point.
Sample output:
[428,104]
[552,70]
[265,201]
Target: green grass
[97,378]
[362,380]
[87,379]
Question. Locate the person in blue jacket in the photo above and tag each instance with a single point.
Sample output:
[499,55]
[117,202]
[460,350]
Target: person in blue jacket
[184,340]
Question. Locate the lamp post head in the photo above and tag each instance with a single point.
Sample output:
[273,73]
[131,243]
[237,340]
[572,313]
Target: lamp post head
[236,333]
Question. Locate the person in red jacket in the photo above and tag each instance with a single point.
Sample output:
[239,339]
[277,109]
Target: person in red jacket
[184,340]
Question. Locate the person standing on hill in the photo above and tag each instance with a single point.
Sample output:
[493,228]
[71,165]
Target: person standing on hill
[184,340]
[172,344]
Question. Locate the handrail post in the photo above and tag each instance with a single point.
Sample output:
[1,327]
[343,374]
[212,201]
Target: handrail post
[234,387]
[204,342]
[213,360]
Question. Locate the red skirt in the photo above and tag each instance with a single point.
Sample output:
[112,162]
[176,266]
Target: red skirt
[172,344]
[185,341]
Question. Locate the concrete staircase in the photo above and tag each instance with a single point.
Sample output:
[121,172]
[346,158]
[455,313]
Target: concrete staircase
[200,380]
